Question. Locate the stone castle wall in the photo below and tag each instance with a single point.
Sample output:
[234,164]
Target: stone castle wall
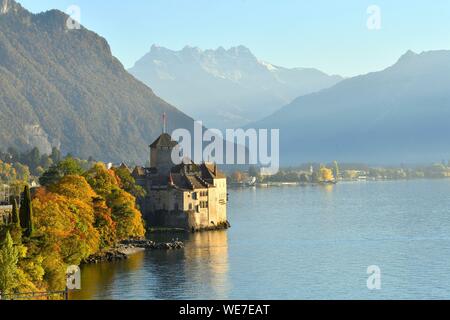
[189,221]
[170,208]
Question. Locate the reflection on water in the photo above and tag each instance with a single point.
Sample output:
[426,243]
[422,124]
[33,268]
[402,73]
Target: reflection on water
[94,278]
[192,273]
[206,258]
[311,242]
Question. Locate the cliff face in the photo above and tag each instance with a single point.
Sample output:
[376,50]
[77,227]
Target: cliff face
[61,87]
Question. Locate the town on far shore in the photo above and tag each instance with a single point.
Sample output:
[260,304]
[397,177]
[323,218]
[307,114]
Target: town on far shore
[191,196]
[332,173]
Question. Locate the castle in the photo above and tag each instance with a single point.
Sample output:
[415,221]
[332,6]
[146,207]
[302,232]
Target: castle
[187,196]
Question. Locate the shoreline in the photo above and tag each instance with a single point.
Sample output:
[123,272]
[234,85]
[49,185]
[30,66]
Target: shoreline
[314,184]
[128,248]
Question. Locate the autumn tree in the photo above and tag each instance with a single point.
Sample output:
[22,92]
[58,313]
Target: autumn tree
[104,223]
[66,225]
[238,176]
[126,216]
[128,219]
[325,174]
[128,183]
[102,180]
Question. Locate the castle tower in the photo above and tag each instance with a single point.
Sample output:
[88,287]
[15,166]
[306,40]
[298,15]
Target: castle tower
[161,153]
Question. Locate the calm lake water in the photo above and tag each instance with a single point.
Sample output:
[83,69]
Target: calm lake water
[301,243]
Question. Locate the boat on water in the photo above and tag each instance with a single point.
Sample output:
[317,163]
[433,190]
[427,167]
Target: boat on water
[328,182]
[250,182]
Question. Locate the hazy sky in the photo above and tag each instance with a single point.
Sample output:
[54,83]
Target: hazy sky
[330,35]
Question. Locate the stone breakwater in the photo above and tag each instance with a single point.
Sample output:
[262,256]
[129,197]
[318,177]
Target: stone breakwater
[129,247]
[151,245]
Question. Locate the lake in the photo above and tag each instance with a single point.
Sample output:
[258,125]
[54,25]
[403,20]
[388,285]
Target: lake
[313,242]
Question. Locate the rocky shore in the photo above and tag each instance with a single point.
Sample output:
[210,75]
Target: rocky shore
[220,226]
[151,245]
[129,247]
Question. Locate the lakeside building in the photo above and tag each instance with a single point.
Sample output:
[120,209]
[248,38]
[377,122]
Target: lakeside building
[187,196]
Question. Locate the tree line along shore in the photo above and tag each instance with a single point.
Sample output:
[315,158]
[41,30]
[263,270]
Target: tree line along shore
[75,209]
[334,172]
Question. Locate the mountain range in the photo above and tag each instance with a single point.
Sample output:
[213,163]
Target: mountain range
[225,88]
[62,87]
[397,115]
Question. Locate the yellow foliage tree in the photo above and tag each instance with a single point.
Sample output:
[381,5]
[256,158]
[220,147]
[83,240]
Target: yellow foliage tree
[127,217]
[101,179]
[67,225]
[326,175]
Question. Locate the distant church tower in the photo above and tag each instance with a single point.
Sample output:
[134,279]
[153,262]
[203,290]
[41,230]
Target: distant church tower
[161,151]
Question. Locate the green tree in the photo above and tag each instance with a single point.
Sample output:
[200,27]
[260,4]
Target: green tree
[51,176]
[315,177]
[70,167]
[336,172]
[253,171]
[15,211]
[303,178]
[128,183]
[56,155]
[32,159]
[45,162]
[9,256]
[26,213]
[55,173]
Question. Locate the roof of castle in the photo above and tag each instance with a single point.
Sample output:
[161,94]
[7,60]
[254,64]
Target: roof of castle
[185,176]
[164,140]
[210,170]
[187,182]
[124,166]
[138,172]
